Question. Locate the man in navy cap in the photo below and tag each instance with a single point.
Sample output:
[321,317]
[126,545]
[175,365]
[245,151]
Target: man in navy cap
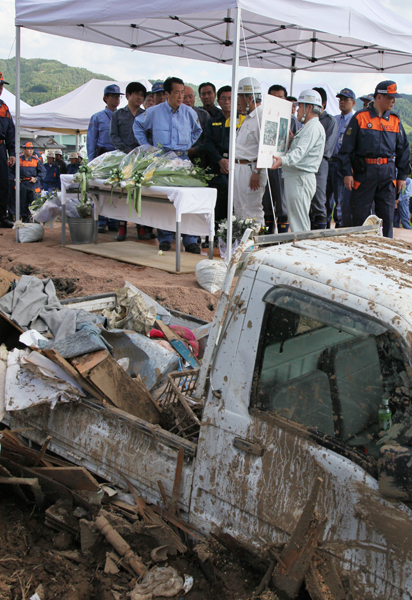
[7,155]
[318,210]
[98,136]
[158,92]
[366,100]
[336,194]
[374,158]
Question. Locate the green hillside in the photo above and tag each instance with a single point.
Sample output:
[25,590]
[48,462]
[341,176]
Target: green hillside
[44,80]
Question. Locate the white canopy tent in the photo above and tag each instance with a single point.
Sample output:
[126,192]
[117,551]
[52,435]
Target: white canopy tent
[71,113]
[328,35]
[10,100]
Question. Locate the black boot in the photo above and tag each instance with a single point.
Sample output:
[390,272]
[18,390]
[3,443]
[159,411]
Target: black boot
[5,221]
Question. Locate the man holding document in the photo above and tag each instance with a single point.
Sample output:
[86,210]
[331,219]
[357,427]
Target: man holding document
[302,161]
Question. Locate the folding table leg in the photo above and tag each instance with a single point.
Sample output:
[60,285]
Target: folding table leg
[95,217]
[178,223]
[64,221]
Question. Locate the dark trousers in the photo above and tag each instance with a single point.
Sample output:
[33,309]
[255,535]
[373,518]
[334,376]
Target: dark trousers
[220,182]
[4,181]
[375,185]
[338,197]
[26,198]
[318,204]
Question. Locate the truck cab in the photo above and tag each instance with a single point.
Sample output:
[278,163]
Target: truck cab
[317,333]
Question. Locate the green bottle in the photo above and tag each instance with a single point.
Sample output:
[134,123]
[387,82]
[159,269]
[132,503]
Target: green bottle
[385,416]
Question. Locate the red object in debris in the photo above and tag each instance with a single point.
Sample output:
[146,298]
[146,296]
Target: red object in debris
[155,333]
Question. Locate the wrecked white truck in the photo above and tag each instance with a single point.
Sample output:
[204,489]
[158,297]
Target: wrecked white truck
[316,333]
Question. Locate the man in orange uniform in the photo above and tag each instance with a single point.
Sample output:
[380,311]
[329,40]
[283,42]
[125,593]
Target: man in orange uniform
[32,174]
[374,158]
[7,155]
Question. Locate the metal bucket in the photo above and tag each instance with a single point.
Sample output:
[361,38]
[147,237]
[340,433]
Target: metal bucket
[81,230]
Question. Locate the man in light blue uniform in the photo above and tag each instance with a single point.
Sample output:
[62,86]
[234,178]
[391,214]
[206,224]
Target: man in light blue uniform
[336,193]
[176,127]
[98,137]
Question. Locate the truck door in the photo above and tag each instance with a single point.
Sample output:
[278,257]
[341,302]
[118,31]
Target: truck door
[295,396]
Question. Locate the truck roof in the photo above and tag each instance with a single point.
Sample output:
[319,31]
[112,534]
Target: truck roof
[376,268]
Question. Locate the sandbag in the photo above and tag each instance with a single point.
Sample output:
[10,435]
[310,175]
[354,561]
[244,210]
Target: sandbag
[210,274]
[29,232]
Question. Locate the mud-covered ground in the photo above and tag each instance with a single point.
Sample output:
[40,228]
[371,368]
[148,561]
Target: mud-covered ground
[78,274]
[32,554]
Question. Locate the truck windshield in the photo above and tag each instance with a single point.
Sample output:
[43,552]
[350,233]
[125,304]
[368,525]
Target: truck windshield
[326,367]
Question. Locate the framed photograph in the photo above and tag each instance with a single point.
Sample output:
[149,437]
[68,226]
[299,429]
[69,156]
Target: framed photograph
[274,131]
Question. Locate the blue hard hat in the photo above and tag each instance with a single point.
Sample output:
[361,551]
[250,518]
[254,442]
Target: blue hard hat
[157,87]
[346,93]
[112,89]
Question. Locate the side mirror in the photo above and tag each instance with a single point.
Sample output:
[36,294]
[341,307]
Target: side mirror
[395,472]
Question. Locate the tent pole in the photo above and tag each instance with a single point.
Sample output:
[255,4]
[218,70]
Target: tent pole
[17,209]
[292,73]
[77,140]
[292,77]
[232,135]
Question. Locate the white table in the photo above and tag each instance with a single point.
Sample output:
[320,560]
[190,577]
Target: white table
[188,210]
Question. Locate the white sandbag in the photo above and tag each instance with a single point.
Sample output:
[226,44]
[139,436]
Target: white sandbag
[210,274]
[29,232]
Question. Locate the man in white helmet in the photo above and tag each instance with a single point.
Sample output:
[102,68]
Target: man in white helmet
[302,161]
[250,182]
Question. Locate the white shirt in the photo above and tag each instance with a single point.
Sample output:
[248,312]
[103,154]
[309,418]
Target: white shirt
[247,140]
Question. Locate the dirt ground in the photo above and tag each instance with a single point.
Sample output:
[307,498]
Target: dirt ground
[32,554]
[77,274]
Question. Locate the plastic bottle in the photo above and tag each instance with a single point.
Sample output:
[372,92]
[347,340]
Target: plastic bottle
[385,416]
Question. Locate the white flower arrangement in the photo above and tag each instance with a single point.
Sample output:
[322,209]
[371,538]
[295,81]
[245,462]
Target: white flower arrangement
[239,227]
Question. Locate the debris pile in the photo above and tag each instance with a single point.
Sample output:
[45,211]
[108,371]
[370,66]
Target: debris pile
[124,357]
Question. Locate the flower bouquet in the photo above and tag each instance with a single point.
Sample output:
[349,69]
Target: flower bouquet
[239,227]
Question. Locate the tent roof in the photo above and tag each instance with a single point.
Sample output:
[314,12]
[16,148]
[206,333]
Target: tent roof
[71,113]
[10,100]
[357,34]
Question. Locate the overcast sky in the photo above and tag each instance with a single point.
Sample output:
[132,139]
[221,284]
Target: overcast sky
[122,64]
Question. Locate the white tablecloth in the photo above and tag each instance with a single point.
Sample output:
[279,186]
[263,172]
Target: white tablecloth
[194,207]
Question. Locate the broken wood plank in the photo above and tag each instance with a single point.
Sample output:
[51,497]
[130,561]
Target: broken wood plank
[177,480]
[266,579]
[322,579]
[33,482]
[51,488]
[178,522]
[156,527]
[162,493]
[75,478]
[74,374]
[42,452]
[300,549]
[84,364]
[121,546]
[124,392]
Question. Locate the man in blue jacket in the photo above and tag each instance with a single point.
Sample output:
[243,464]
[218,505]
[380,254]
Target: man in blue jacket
[176,127]
[98,136]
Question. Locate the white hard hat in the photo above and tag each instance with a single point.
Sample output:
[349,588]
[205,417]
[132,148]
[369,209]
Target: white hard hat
[310,97]
[57,151]
[249,85]
[50,153]
[73,155]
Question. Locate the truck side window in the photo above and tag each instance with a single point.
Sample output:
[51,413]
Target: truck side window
[325,367]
